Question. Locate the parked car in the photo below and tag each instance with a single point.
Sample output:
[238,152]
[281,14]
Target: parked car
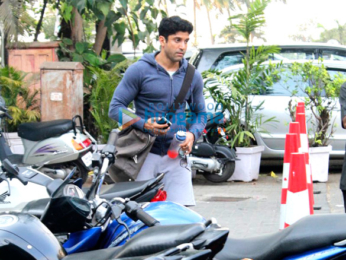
[276,102]
[222,56]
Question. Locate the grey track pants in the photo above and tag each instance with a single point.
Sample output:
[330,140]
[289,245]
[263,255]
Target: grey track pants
[177,180]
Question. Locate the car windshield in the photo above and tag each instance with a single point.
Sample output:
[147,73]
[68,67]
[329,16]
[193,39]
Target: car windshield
[287,84]
[232,58]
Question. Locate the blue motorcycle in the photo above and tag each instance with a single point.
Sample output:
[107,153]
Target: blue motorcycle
[23,236]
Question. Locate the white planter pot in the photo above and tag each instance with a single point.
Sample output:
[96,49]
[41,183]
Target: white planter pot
[247,167]
[319,161]
[15,142]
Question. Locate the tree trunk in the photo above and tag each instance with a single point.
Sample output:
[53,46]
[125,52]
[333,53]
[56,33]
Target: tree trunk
[76,26]
[194,23]
[100,36]
[165,6]
[39,24]
[228,12]
[210,28]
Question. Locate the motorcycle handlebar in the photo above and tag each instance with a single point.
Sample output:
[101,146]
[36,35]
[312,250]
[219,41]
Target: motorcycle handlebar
[146,218]
[10,168]
[134,211]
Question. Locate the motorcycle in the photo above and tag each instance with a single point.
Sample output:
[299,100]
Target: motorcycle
[22,236]
[312,237]
[52,147]
[27,189]
[215,162]
[92,223]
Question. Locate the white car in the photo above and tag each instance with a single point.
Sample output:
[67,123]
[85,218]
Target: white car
[276,102]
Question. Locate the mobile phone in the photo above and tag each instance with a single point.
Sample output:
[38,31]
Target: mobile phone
[163,120]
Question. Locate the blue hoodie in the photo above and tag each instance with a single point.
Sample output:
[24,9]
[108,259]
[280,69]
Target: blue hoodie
[153,91]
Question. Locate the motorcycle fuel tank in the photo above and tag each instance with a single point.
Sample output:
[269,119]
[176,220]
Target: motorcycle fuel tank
[23,236]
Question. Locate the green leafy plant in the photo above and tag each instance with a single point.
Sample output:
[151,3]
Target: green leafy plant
[22,102]
[321,93]
[104,83]
[233,90]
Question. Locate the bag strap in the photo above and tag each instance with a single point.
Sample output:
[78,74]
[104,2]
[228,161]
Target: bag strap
[190,72]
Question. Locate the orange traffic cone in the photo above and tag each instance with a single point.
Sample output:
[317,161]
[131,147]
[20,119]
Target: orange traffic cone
[300,109]
[291,146]
[294,128]
[297,194]
[300,117]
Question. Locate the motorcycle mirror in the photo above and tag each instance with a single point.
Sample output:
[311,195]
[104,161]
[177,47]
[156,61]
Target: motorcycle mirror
[12,169]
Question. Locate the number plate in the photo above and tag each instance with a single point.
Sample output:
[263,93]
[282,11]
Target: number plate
[87,159]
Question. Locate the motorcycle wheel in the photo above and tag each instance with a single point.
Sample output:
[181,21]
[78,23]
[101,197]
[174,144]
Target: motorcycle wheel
[226,172]
[81,171]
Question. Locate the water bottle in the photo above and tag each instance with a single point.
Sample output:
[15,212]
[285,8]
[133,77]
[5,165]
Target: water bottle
[174,148]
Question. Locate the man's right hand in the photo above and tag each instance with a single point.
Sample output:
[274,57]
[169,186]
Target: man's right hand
[344,122]
[152,126]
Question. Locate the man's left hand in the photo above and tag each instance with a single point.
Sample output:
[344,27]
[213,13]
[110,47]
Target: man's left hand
[186,146]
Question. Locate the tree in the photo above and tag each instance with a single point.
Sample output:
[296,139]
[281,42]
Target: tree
[16,19]
[304,32]
[338,34]
[230,35]
[209,5]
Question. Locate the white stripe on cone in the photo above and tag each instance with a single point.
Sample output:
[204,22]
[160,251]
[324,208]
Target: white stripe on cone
[297,206]
[304,148]
[285,174]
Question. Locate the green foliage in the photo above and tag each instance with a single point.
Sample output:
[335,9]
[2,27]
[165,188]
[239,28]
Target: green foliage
[133,20]
[21,101]
[85,54]
[104,83]
[136,22]
[230,35]
[247,24]
[233,90]
[15,17]
[338,33]
[322,92]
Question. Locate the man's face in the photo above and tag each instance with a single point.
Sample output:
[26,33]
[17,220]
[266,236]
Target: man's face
[175,46]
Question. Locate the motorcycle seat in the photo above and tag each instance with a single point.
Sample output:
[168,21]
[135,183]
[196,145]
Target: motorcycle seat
[37,131]
[149,241]
[309,233]
[126,189]
[108,192]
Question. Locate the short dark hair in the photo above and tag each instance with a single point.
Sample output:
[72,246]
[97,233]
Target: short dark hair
[172,25]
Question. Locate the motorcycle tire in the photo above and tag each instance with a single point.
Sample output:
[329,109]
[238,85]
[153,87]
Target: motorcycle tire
[227,172]
[81,171]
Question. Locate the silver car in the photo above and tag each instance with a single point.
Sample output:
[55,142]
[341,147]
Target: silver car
[276,102]
[222,56]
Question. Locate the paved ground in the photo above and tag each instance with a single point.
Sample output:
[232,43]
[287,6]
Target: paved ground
[251,209]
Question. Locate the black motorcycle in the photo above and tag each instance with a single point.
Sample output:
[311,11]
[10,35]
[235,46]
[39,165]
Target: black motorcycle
[215,161]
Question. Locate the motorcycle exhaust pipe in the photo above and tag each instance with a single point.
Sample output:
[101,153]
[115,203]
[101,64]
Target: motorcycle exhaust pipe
[204,164]
[55,174]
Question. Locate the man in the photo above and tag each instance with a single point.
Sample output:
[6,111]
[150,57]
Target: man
[342,101]
[153,83]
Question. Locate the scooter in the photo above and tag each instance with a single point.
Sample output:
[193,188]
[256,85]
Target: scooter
[95,223]
[52,147]
[215,162]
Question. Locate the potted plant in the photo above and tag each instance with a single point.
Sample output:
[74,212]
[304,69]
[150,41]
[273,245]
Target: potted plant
[233,92]
[22,103]
[321,91]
